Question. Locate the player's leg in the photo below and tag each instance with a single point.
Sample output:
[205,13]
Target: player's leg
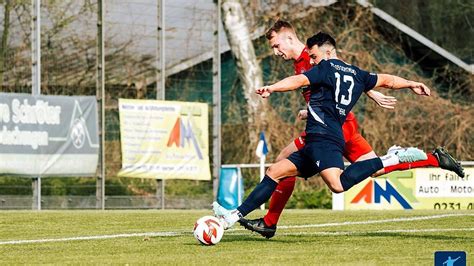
[367,156]
[358,149]
[339,181]
[263,191]
[438,158]
[260,194]
[328,157]
[307,164]
[332,178]
[283,190]
[431,161]
[360,170]
[266,226]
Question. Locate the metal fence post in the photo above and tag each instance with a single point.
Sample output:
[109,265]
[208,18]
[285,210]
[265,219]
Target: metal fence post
[36,79]
[216,100]
[100,94]
[160,52]
[160,76]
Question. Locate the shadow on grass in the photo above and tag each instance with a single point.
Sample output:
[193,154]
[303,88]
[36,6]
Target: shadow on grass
[310,238]
[252,238]
[406,235]
[290,238]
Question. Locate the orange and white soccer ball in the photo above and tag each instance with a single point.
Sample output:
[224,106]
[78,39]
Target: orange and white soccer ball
[208,230]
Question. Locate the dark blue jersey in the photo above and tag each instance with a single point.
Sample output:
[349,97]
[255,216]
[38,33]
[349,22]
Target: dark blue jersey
[335,88]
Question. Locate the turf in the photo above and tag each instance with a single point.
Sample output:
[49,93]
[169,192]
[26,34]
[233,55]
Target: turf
[326,243]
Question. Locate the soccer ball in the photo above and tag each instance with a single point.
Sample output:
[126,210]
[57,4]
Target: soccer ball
[208,230]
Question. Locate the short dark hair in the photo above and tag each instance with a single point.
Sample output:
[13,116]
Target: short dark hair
[277,26]
[320,39]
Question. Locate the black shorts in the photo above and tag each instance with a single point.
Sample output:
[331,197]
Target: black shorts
[316,157]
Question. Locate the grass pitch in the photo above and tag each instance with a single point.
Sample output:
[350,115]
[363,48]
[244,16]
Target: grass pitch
[318,237]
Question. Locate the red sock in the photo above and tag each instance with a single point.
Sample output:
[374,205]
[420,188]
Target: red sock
[431,161]
[279,199]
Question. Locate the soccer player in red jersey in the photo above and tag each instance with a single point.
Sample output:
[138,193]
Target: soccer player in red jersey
[284,42]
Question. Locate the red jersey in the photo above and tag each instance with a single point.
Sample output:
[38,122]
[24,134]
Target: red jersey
[303,64]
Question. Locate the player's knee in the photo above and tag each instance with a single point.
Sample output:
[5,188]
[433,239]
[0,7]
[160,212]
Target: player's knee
[275,172]
[272,171]
[367,156]
[378,173]
[336,188]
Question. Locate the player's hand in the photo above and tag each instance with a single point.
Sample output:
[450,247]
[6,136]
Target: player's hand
[384,101]
[420,89]
[263,91]
[303,114]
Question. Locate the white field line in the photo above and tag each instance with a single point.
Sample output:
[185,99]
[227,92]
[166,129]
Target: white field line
[45,240]
[184,232]
[346,233]
[393,220]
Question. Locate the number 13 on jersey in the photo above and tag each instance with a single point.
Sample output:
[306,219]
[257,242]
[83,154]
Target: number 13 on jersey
[348,81]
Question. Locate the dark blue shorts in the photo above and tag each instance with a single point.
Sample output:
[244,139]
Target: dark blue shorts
[316,157]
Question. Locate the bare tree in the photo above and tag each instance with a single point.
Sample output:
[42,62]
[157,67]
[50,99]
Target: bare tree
[4,41]
[242,48]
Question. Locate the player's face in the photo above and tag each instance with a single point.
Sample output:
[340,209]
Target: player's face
[316,54]
[281,45]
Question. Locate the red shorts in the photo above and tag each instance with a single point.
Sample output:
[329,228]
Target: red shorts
[355,146]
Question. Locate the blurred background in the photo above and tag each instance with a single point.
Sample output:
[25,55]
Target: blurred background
[174,50]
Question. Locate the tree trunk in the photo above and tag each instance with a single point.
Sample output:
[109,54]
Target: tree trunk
[242,48]
[4,42]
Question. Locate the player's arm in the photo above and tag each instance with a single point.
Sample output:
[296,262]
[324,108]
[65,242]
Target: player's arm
[396,83]
[287,84]
[384,101]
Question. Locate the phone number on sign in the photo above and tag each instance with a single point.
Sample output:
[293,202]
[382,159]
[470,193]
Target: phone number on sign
[453,206]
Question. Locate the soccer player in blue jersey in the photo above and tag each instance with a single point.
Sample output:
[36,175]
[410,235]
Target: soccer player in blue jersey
[335,88]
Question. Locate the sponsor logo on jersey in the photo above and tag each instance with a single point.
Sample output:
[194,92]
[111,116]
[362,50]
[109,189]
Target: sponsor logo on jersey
[342,111]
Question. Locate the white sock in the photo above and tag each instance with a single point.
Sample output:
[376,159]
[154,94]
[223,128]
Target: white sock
[389,160]
[234,217]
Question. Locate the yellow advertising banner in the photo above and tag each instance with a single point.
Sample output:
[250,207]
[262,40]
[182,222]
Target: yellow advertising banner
[424,188]
[164,139]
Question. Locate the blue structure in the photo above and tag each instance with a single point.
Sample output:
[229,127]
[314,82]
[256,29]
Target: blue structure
[231,188]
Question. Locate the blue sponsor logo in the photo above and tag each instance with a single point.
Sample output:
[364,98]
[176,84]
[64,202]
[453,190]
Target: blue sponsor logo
[450,258]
